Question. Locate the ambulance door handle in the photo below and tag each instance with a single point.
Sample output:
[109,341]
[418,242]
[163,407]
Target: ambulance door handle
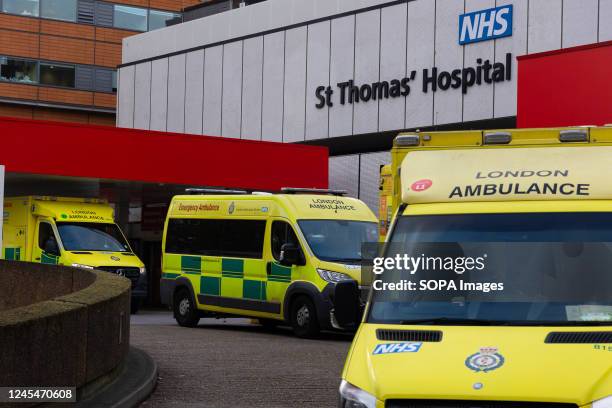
[37,259]
[269,268]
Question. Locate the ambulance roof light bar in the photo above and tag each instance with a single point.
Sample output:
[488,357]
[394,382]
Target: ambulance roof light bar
[292,190]
[407,140]
[496,138]
[214,191]
[577,135]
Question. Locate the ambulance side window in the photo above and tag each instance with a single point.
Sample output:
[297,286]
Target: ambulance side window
[46,238]
[282,233]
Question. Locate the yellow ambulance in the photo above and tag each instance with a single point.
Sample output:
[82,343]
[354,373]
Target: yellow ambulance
[385,204]
[275,257]
[70,231]
[532,327]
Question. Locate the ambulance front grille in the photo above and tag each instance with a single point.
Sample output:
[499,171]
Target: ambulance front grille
[409,335]
[133,274]
[472,404]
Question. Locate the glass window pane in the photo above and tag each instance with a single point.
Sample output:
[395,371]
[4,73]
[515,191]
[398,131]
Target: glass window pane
[21,7]
[131,18]
[114,81]
[57,75]
[160,19]
[59,9]
[17,70]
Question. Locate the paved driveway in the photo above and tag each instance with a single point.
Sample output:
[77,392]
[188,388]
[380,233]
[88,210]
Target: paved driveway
[233,363]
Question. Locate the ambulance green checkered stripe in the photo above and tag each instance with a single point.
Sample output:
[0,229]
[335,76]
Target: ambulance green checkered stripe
[12,254]
[232,268]
[279,273]
[233,275]
[210,285]
[252,289]
[167,275]
[191,265]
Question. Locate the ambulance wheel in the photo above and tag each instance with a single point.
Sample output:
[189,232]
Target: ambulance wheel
[304,317]
[185,311]
[134,305]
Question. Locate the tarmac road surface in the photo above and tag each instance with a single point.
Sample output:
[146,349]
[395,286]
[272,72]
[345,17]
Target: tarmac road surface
[234,363]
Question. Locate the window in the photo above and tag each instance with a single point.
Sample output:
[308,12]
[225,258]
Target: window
[59,9]
[130,18]
[161,19]
[282,233]
[21,7]
[57,75]
[45,234]
[114,81]
[92,236]
[17,70]
[230,238]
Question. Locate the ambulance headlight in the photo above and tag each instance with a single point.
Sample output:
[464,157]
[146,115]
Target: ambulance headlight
[603,403]
[77,265]
[353,397]
[143,270]
[333,277]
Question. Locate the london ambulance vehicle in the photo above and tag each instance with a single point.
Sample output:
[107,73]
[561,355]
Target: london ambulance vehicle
[274,257]
[70,231]
[515,307]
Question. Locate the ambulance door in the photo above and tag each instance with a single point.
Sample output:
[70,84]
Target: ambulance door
[46,245]
[281,276]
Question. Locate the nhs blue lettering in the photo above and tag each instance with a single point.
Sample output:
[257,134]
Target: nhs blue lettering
[485,24]
[397,348]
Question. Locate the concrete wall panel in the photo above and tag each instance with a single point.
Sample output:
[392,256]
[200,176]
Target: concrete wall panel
[392,111]
[478,102]
[125,116]
[273,87]
[578,18]
[367,69]
[213,89]
[505,92]
[420,54]
[448,104]
[194,92]
[142,96]
[159,94]
[294,117]
[232,90]
[176,94]
[252,89]
[605,16]
[317,119]
[341,70]
[544,25]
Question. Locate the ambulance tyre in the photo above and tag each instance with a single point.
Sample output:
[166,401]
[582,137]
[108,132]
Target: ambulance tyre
[304,317]
[185,311]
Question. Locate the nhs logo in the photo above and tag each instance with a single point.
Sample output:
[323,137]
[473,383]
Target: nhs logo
[396,348]
[485,25]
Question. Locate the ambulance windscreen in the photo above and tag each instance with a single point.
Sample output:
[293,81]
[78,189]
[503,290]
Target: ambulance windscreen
[514,269]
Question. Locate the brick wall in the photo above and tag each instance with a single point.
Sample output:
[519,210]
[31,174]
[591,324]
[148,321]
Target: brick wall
[71,43]
[62,115]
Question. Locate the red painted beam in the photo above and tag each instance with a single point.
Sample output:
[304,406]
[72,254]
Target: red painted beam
[66,149]
[568,87]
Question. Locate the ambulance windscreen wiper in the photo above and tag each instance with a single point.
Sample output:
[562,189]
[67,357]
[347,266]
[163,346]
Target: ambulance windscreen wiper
[454,321]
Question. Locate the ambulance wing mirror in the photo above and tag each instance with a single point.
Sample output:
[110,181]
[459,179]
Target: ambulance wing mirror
[347,307]
[290,255]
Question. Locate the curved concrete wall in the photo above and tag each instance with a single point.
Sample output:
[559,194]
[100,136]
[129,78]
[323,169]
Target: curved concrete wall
[61,326]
